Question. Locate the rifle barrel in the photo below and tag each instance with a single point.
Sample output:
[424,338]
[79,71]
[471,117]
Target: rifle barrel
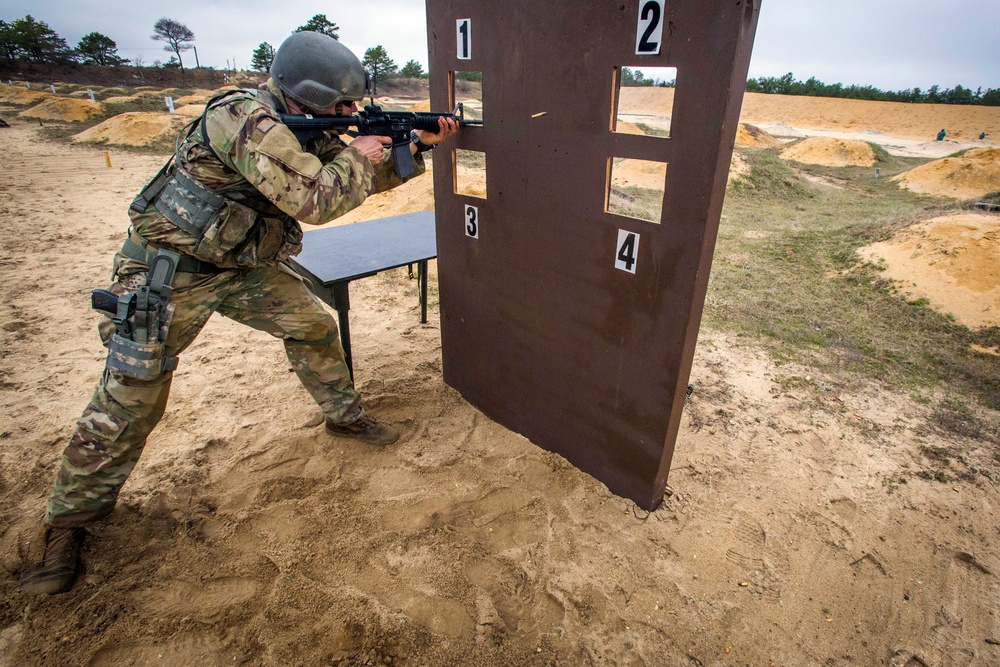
[319,122]
[419,120]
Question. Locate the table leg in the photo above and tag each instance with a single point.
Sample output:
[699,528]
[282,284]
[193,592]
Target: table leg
[422,279]
[342,303]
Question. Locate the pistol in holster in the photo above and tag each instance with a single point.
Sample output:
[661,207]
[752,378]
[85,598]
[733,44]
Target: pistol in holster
[137,347]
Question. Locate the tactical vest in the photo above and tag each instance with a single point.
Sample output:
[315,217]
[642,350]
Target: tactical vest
[235,226]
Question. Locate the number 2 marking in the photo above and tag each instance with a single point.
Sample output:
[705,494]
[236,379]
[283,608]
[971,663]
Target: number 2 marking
[649,33]
[464,34]
[628,249]
[472,221]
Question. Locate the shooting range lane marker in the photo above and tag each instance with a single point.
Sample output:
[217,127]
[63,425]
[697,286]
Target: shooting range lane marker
[472,221]
[464,38]
[107,159]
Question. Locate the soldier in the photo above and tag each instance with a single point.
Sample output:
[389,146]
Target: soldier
[211,233]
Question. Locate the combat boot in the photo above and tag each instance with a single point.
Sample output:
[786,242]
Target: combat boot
[50,563]
[366,429]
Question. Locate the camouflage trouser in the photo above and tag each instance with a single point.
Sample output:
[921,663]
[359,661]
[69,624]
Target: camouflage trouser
[111,434]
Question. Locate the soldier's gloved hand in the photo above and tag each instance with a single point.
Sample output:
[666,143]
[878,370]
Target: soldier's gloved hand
[372,146]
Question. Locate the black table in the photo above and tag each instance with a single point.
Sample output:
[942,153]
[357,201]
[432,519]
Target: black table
[334,256]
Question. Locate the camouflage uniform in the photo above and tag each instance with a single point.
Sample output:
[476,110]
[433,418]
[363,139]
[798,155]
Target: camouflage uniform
[250,156]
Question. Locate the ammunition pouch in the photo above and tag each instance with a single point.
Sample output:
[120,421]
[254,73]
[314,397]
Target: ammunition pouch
[228,232]
[136,349]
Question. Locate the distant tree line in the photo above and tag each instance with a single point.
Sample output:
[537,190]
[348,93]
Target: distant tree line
[788,85]
[376,59]
[33,41]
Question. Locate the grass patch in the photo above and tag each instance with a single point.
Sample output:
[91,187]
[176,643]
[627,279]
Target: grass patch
[651,131]
[770,178]
[786,271]
[639,203]
[144,104]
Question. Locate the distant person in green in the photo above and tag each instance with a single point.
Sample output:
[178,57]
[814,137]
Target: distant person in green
[212,232]
[982,135]
[941,135]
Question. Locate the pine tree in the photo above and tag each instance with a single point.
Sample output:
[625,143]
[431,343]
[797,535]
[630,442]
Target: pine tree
[98,49]
[379,65]
[412,70]
[319,23]
[37,42]
[262,57]
[175,34]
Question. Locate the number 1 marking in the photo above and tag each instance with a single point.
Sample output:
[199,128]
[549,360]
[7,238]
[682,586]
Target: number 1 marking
[464,34]
[472,221]
[649,34]
[628,250]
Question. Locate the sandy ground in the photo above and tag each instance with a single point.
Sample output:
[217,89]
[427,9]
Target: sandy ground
[831,152]
[952,261]
[798,528]
[975,173]
[902,129]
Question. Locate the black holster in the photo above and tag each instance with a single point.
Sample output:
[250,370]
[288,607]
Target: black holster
[136,349]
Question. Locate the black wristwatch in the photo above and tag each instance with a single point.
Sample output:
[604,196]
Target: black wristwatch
[421,146]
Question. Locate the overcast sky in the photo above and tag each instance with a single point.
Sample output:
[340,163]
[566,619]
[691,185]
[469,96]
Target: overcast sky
[890,44]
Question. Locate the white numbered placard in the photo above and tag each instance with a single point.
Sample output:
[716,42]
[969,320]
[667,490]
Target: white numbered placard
[649,34]
[627,251]
[472,221]
[464,34]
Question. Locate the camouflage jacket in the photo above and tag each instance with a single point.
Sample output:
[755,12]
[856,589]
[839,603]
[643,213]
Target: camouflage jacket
[251,153]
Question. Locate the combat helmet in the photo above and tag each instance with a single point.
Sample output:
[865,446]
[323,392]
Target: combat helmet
[318,71]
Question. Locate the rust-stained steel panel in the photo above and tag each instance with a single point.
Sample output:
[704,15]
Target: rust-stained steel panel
[539,328]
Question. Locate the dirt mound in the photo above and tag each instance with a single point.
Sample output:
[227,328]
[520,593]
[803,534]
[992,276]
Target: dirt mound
[952,261]
[752,136]
[643,174]
[198,97]
[647,100]
[739,168]
[971,175]
[64,108]
[831,152]
[139,128]
[962,122]
[18,95]
[628,128]
[122,99]
[190,110]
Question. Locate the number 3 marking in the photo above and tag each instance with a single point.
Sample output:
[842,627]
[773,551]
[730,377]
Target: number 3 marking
[649,33]
[628,250]
[472,221]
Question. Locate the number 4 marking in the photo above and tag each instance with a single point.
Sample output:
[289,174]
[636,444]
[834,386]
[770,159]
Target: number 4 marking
[649,34]
[464,34]
[628,250]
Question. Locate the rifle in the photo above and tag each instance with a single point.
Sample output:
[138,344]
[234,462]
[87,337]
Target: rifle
[373,121]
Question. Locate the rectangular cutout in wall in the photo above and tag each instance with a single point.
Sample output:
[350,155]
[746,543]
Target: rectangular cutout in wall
[644,100]
[467,88]
[635,188]
[470,173]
